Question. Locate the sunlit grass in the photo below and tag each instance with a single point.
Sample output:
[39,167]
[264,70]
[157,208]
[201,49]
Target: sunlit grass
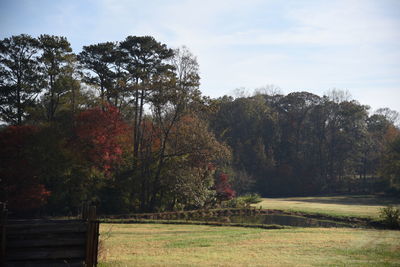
[357,206]
[198,245]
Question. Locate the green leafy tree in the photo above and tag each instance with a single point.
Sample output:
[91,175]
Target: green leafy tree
[191,154]
[391,164]
[56,53]
[98,62]
[145,60]
[20,80]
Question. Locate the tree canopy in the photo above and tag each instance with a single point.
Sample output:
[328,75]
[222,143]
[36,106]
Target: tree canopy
[125,126]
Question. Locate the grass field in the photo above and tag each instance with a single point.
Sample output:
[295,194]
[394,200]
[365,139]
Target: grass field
[194,245]
[357,206]
[201,245]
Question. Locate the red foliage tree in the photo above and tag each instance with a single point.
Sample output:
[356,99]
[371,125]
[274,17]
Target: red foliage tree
[101,137]
[19,171]
[223,188]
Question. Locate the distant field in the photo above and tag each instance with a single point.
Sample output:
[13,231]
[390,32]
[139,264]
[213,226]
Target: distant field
[358,206]
[189,245]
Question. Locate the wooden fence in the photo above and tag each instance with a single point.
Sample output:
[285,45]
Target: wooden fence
[50,242]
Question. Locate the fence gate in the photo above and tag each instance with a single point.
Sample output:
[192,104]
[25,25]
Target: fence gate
[49,242]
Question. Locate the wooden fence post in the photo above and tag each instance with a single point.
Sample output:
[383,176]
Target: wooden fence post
[85,211]
[92,239]
[3,219]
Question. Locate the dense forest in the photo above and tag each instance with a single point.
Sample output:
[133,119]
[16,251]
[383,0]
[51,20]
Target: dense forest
[125,126]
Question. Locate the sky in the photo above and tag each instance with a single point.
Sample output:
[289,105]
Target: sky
[297,45]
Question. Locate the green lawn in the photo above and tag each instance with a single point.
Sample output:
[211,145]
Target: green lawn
[198,245]
[356,206]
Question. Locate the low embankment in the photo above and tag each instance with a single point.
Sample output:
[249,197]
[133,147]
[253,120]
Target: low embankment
[326,211]
[245,217]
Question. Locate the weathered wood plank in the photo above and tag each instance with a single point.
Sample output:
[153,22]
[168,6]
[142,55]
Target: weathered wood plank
[55,263]
[42,221]
[46,253]
[45,228]
[18,236]
[53,241]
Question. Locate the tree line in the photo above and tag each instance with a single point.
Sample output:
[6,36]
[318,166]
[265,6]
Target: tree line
[124,125]
[302,144]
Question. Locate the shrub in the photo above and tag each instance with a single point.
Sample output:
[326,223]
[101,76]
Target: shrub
[251,199]
[243,201]
[223,188]
[233,203]
[390,216]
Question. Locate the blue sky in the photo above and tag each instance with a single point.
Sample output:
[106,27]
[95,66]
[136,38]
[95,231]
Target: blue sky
[312,45]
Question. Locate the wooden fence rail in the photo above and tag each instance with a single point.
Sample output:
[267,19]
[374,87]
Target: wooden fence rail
[50,242]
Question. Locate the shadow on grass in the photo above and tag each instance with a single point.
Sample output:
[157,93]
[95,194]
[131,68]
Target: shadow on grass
[362,200]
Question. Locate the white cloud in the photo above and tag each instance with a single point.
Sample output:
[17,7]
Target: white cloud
[313,45]
[298,45]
